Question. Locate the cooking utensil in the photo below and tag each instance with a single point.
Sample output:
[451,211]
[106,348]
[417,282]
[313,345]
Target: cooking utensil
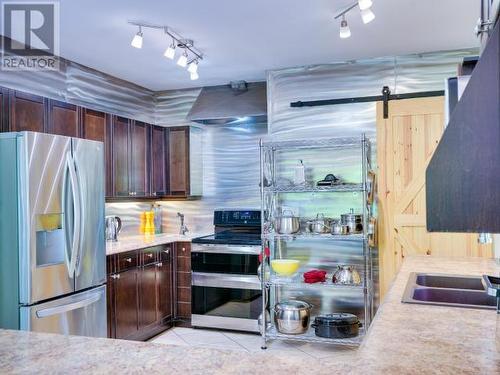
[329,180]
[287,223]
[285,267]
[335,227]
[336,326]
[372,186]
[372,232]
[354,221]
[320,224]
[346,275]
[292,317]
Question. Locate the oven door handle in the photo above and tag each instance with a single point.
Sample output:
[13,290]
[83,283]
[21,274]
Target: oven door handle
[223,280]
[226,249]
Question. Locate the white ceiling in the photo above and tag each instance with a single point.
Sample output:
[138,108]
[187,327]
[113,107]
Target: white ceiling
[243,38]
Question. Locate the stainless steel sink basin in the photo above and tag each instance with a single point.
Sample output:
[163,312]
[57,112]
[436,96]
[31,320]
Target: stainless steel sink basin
[448,290]
[449,281]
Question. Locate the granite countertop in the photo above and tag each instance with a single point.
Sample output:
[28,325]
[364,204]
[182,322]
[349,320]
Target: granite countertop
[127,243]
[403,339]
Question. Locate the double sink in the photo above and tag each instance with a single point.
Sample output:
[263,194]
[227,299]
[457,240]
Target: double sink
[448,290]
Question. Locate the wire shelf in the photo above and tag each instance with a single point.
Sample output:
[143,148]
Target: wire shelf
[297,283]
[315,189]
[315,236]
[310,336]
[315,143]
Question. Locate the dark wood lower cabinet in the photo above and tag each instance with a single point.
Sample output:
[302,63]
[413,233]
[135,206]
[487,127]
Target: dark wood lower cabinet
[140,296]
[126,303]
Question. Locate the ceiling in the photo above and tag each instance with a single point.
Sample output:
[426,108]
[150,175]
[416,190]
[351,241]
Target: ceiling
[243,39]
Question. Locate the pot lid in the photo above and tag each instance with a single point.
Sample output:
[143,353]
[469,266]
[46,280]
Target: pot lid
[336,319]
[292,305]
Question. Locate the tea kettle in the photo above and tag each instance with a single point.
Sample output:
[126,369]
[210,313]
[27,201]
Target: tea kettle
[113,227]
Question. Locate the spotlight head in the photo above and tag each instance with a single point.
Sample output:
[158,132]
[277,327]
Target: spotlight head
[194,76]
[365,4]
[182,62]
[345,32]
[367,16]
[193,66]
[170,52]
[137,40]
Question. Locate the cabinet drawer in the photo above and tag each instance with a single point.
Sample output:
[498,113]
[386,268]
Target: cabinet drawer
[165,253]
[150,255]
[127,260]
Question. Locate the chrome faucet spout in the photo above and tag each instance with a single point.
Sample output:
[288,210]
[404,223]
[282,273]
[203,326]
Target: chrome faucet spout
[183,228]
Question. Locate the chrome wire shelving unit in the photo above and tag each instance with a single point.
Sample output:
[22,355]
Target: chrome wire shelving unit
[271,188]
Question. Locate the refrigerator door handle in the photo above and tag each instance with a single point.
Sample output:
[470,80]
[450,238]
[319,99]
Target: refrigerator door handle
[69,307]
[81,214]
[73,244]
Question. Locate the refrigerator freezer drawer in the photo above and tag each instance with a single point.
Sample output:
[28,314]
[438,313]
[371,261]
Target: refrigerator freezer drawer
[81,314]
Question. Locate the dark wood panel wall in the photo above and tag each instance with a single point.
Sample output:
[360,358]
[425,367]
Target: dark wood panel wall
[143,161]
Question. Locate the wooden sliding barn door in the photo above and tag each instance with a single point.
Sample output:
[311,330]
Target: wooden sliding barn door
[405,144]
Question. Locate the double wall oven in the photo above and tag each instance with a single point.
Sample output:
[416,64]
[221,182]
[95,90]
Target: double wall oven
[226,291]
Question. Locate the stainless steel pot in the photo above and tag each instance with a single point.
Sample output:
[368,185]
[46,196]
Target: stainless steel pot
[346,275]
[287,223]
[354,221]
[320,224]
[292,317]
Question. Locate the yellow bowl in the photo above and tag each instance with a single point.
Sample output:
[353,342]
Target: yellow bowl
[285,267]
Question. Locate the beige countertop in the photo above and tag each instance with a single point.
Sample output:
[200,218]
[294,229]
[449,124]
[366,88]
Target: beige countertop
[403,339]
[127,243]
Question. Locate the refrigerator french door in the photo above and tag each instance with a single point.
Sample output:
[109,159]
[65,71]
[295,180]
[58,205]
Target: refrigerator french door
[60,225]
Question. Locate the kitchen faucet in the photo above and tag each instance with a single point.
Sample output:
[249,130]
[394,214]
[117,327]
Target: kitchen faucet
[183,229]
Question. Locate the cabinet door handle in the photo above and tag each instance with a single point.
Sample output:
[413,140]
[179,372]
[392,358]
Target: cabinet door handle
[154,194]
[149,255]
[159,264]
[130,193]
[115,276]
[183,249]
[166,251]
[129,260]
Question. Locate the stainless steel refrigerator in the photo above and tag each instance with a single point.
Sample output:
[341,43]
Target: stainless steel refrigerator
[52,246]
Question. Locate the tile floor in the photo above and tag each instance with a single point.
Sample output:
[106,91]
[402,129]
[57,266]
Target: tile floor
[244,342]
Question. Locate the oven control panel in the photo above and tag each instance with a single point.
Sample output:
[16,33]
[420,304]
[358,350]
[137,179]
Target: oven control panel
[237,217]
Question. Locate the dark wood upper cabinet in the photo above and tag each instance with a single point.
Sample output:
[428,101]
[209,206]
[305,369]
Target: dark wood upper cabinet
[121,154]
[178,157]
[139,158]
[63,119]
[96,126]
[27,112]
[159,161]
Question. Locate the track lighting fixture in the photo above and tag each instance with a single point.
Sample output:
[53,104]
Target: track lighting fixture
[366,15]
[137,40]
[345,32]
[190,55]
[170,51]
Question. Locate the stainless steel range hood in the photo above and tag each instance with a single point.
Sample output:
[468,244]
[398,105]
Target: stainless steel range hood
[238,102]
